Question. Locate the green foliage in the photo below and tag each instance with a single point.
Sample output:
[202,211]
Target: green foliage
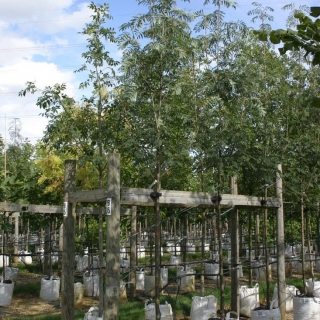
[306,37]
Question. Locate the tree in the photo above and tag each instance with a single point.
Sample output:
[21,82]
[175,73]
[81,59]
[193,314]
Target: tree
[307,35]
[151,73]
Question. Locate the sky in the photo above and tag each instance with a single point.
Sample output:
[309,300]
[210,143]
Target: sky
[40,42]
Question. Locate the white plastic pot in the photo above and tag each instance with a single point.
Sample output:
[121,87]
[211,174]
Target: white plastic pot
[6,291]
[235,316]
[248,298]
[186,279]
[165,311]
[50,288]
[290,293]
[149,285]
[92,314]
[91,284]
[4,260]
[201,307]
[25,257]
[313,288]
[306,308]
[174,261]
[268,314]
[140,279]
[11,273]
[78,295]
[211,271]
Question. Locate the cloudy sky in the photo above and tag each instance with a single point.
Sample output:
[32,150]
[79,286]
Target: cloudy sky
[40,42]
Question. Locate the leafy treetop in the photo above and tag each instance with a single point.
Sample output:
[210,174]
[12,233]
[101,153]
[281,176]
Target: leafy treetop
[307,35]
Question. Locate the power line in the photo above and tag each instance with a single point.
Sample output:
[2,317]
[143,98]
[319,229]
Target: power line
[43,47]
[58,68]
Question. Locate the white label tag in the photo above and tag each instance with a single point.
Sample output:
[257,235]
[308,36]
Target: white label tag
[65,209]
[108,207]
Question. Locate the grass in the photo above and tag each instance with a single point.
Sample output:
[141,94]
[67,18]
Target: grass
[79,315]
[31,287]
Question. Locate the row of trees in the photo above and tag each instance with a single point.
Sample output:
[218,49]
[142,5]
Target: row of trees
[194,100]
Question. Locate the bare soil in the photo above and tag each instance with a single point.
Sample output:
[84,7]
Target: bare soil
[30,305]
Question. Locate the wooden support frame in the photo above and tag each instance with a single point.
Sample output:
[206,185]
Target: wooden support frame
[172,198]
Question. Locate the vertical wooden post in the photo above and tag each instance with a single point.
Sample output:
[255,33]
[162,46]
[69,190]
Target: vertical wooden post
[157,246]
[60,250]
[68,253]
[203,239]
[112,287]
[280,249]
[133,251]
[257,235]
[16,236]
[250,247]
[265,236]
[234,221]
[47,251]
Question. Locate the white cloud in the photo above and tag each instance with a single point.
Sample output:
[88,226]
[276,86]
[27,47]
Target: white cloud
[44,16]
[12,80]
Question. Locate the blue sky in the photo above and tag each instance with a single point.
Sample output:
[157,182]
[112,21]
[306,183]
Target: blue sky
[40,42]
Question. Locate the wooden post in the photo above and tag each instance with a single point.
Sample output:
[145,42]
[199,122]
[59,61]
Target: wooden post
[112,287]
[68,253]
[257,235]
[265,236]
[157,246]
[234,221]
[16,236]
[280,249]
[250,247]
[203,239]
[47,251]
[60,250]
[133,251]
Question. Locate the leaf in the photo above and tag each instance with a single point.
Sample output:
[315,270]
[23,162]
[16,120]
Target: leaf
[315,12]
[274,38]
[263,36]
[316,59]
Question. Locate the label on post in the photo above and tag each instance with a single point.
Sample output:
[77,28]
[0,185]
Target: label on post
[108,207]
[65,209]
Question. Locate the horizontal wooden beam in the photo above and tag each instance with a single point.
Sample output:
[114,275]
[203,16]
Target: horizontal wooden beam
[172,198]
[141,197]
[32,208]
[51,209]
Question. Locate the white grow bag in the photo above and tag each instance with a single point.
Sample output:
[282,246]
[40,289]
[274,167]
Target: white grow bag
[50,288]
[174,261]
[203,307]
[92,314]
[290,293]
[91,284]
[248,298]
[306,308]
[4,260]
[211,270]
[78,295]
[268,314]
[11,273]
[6,291]
[149,285]
[140,279]
[186,279]
[25,257]
[313,288]
[165,311]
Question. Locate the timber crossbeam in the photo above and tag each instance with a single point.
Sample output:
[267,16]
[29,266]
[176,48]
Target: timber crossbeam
[172,198]
[52,209]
